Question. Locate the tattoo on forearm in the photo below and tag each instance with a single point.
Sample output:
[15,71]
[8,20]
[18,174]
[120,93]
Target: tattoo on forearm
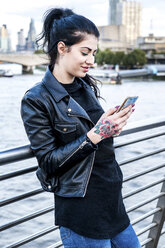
[106,128]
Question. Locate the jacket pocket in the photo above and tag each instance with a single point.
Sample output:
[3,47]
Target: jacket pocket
[65,132]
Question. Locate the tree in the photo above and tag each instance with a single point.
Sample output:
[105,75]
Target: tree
[119,58]
[108,56]
[104,57]
[99,57]
[129,60]
[135,58]
[140,57]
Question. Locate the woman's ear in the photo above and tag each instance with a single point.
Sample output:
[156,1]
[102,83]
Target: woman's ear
[61,47]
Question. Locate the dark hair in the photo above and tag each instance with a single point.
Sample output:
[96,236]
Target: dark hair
[64,25]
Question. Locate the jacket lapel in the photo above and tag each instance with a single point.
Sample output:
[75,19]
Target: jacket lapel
[76,110]
[58,93]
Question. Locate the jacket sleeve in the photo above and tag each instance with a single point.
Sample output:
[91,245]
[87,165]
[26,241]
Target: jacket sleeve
[51,158]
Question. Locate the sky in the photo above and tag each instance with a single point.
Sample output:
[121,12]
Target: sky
[17,14]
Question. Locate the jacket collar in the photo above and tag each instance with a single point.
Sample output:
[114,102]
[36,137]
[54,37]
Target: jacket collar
[58,92]
[53,86]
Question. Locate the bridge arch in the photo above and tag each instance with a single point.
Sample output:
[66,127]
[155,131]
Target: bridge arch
[28,61]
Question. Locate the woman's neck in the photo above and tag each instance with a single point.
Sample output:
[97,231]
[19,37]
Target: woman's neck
[61,75]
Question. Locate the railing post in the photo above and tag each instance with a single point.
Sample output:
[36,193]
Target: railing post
[158,218]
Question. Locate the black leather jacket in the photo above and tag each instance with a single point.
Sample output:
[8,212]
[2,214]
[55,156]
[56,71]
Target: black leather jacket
[56,126]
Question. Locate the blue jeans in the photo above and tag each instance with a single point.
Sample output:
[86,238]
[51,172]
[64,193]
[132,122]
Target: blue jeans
[125,239]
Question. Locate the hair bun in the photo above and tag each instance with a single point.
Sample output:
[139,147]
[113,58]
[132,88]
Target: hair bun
[67,12]
[58,13]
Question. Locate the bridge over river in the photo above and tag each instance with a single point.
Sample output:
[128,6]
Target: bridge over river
[27,60]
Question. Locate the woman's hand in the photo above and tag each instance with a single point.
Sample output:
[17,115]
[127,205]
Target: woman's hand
[110,124]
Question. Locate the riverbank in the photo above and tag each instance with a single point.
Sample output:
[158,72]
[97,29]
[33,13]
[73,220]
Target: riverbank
[12,134]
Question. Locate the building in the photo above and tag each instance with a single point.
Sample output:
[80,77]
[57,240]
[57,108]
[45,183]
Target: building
[113,37]
[124,26]
[30,40]
[154,46]
[27,44]
[113,11]
[151,43]
[128,13]
[21,41]
[5,44]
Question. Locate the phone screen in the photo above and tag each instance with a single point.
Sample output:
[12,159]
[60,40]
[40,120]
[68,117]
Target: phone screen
[128,101]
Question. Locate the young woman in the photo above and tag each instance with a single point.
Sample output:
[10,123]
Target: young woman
[72,138]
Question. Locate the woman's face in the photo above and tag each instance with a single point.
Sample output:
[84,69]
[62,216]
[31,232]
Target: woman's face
[80,57]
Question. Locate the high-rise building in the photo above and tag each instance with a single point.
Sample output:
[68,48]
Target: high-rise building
[21,40]
[27,44]
[127,13]
[113,11]
[4,39]
[30,41]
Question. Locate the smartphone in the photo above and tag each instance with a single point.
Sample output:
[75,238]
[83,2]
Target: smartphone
[128,101]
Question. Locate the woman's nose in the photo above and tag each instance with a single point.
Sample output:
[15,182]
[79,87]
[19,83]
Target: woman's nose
[90,60]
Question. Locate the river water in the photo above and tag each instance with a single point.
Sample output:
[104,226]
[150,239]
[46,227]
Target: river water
[150,105]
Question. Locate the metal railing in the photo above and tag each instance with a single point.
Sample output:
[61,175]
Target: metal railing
[150,207]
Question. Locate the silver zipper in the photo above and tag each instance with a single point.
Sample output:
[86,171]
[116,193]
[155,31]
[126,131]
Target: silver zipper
[89,175]
[80,147]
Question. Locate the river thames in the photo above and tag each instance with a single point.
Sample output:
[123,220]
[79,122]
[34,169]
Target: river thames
[150,105]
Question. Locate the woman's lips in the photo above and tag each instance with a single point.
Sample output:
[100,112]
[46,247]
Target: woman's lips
[85,68]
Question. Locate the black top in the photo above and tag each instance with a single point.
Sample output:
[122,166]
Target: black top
[101,213]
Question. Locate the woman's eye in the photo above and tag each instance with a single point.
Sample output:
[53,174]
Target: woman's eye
[83,53]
